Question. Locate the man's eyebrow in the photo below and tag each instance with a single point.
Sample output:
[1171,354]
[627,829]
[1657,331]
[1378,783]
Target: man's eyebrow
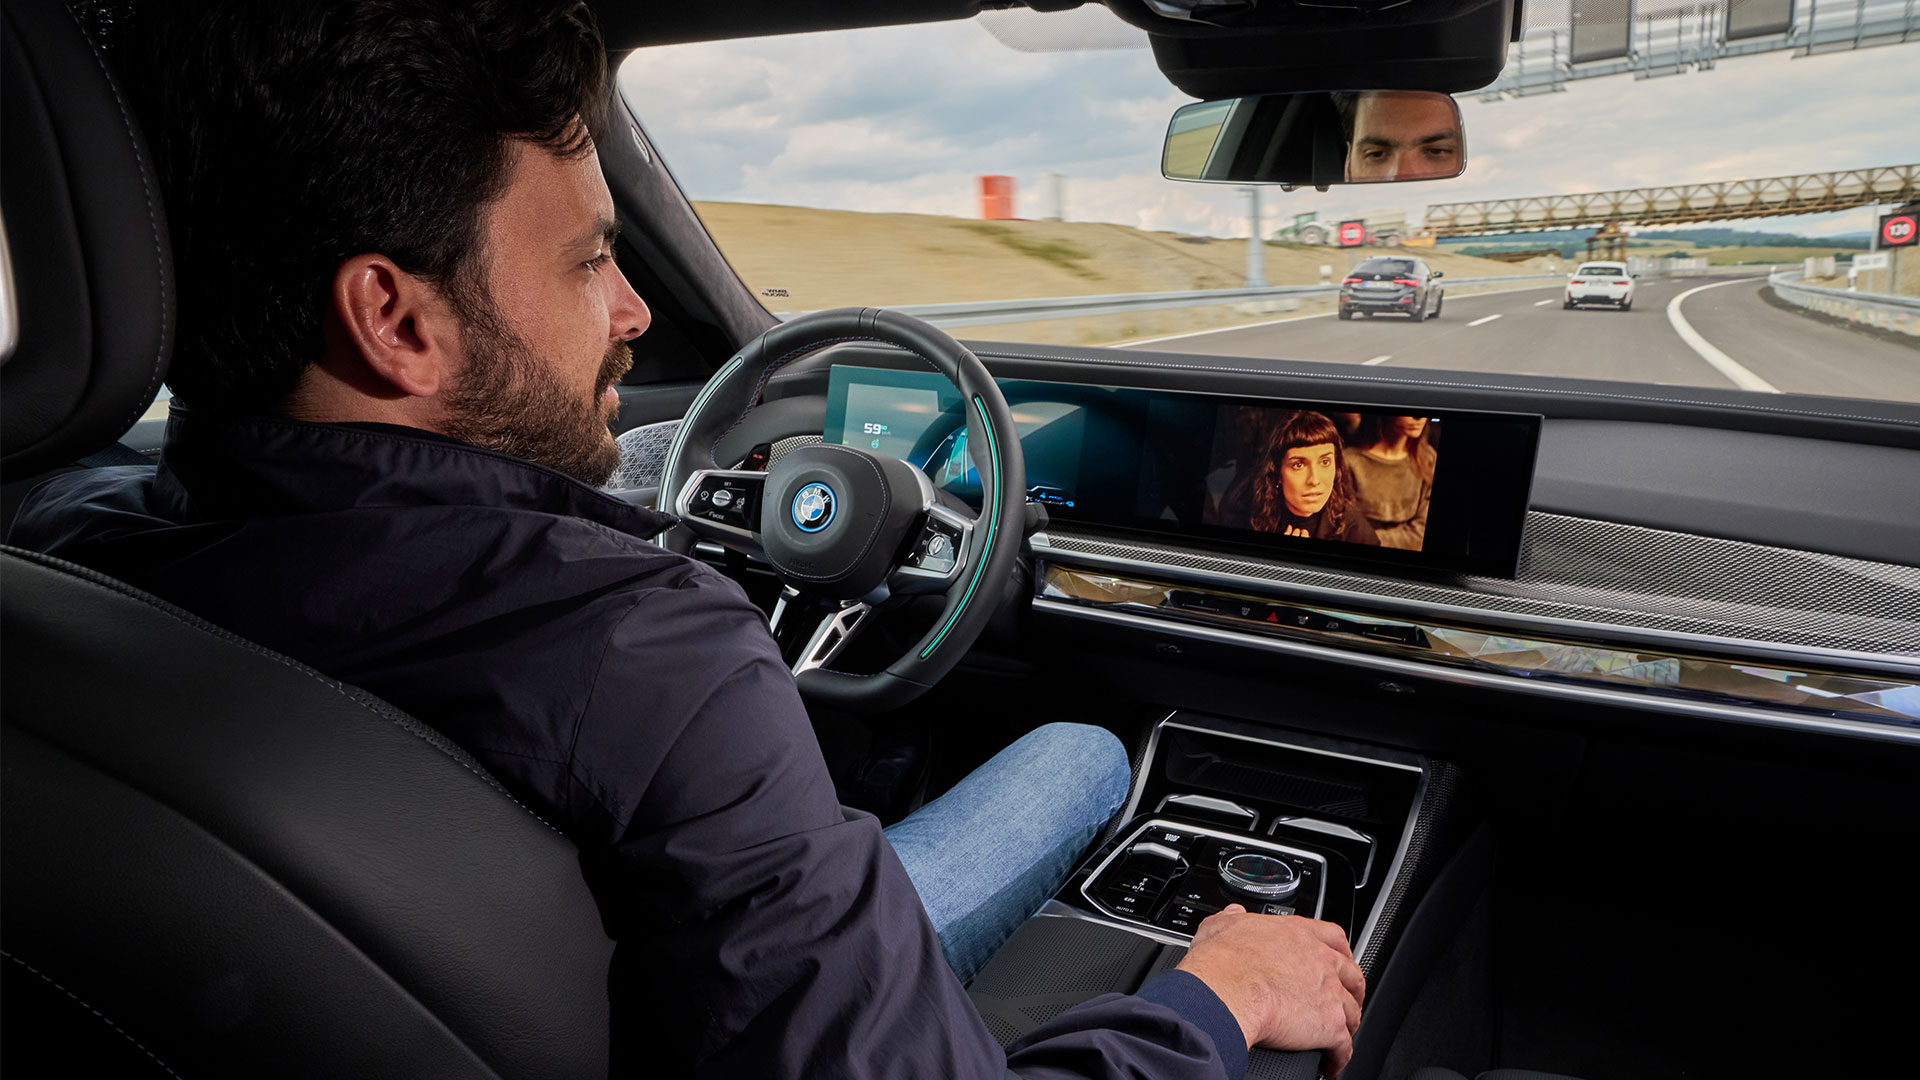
[603,231]
[1381,140]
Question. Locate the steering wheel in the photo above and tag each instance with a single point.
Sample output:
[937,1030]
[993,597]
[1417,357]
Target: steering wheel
[849,531]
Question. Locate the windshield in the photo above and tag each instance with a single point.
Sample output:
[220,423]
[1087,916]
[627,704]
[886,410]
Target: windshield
[1017,155]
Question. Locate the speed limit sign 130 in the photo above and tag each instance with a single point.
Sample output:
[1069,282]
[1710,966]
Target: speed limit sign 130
[1898,230]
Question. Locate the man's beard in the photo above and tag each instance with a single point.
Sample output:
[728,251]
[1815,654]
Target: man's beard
[508,402]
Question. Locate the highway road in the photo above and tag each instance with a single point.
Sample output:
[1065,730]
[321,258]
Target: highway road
[1730,335]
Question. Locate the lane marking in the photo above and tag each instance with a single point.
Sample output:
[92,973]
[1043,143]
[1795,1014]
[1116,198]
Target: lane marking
[1724,364]
[1221,330]
[1488,319]
[1376,360]
[1294,318]
[1541,303]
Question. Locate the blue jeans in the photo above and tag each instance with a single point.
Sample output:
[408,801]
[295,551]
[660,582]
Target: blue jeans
[985,855]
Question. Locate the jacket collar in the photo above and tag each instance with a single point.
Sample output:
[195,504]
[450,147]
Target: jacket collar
[217,466]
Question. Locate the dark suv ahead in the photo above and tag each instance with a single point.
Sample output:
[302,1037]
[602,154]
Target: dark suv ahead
[1393,285]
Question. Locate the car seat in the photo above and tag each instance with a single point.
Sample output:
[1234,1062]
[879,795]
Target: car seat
[214,860]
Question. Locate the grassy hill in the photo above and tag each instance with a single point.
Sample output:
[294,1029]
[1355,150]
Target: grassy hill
[830,258]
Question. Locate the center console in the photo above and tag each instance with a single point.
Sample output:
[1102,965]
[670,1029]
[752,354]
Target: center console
[1169,875]
[1226,812]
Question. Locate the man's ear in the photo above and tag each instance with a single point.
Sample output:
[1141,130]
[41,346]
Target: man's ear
[401,327]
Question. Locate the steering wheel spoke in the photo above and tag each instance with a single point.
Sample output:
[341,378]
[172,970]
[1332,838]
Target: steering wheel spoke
[841,624]
[812,631]
[723,505]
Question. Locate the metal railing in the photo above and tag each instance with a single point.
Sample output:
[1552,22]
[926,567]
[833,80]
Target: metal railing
[1041,309]
[1807,193]
[1884,310]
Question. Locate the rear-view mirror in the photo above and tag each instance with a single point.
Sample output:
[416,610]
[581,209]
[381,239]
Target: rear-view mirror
[1321,138]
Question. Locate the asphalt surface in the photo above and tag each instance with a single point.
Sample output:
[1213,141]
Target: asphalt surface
[1760,343]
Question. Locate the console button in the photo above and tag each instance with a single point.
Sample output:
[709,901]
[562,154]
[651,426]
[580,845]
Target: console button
[1132,905]
[1185,917]
[1189,600]
[1173,838]
[1275,909]
[1143,884]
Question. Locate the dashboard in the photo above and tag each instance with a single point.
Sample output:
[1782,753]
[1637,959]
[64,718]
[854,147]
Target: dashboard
[1658,569]
[1380,483]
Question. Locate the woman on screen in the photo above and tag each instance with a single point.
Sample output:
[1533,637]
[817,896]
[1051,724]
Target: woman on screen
[1392,461]
[1297,484]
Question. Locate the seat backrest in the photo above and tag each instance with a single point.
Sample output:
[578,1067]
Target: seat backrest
[91,270]
[215,861]
[248,869]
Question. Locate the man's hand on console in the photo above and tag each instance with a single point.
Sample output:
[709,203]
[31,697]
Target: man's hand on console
[1291,982]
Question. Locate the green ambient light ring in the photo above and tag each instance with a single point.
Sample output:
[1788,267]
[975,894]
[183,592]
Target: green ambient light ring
[993,526]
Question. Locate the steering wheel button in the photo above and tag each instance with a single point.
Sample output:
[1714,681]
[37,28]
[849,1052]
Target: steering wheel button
[723,498]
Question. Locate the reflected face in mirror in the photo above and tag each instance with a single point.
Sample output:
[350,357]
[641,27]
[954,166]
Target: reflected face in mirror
[1401,135]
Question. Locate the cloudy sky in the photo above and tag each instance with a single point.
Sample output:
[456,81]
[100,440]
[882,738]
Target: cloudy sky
[905,118]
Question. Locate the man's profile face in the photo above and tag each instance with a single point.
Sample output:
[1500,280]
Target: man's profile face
[1306,478]
[540,366]
[1404,135]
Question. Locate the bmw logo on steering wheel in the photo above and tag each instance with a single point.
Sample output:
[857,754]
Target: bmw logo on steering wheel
[813,507]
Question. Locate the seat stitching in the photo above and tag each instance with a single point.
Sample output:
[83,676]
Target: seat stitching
[153,228]
[82,1002]
[367,702]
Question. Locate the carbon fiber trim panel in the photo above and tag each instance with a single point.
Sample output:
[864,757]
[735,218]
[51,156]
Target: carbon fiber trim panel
[1629,576]
[1437,828]
[792,442]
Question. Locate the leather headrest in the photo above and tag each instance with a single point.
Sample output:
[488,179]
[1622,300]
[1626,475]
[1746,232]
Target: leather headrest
[92,274]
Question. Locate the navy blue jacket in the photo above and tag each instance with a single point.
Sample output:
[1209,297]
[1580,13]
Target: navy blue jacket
[631,696]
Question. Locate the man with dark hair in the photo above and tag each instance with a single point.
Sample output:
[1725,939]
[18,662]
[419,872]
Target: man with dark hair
[400,326]
[1400,135]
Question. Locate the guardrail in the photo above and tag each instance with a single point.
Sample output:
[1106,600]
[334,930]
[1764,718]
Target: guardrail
[1041,309]
[1889,312]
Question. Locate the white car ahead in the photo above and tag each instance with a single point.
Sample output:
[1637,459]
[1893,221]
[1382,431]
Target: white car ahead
[1600,283]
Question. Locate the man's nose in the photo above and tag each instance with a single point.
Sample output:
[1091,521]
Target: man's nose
[628,315]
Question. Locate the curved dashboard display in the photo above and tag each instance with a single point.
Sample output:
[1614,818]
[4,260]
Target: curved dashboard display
[1399,484]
